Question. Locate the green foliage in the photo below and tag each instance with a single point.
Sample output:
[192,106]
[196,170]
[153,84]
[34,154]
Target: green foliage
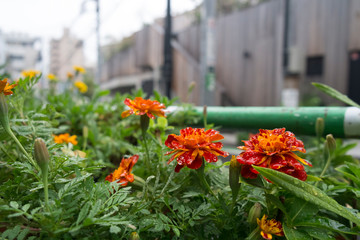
[159,204]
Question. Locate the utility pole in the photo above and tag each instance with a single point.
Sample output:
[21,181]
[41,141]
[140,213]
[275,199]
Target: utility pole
[208,83]
[168,61]
[98,72]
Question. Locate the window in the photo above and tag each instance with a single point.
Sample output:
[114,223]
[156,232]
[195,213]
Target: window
[314,66]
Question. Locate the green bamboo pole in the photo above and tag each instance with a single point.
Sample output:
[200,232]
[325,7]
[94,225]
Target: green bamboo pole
[339,121]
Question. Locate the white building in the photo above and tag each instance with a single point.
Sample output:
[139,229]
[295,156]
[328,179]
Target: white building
[19,52]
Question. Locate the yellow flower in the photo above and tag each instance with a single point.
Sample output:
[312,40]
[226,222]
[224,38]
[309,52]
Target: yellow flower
[79,69]
[81,86]
[69,75]
[5,87]
[52,77]
[65,138]
[269,227]
[30,73]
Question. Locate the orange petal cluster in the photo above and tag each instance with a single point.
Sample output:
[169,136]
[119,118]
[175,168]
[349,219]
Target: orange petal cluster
[30,73]
[269,227]
[141,106]
[273,149]
[5,87]
[123,174]
[192,145]
[65,138]
[79,69]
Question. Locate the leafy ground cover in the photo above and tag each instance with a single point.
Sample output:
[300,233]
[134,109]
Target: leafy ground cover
[81,165]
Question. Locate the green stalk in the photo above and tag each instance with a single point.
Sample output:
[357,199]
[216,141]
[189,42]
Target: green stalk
[144,123]
[46,188]
[12,135]
[254,235]
[4,120]
[201,174]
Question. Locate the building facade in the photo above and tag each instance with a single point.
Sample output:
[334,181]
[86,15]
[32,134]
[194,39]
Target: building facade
[65,52]
[19,52]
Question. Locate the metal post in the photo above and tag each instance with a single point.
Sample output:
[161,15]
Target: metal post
[208,83]
[98,72]
[167,68]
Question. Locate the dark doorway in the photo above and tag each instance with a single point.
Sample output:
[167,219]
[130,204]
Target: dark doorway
[354,76]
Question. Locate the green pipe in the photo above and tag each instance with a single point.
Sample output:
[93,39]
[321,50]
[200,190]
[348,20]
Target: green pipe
[342,122]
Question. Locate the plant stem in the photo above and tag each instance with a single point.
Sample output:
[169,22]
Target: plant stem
[326,167]
[12,135]
[46,188]
[144,124]
[201,174]
[147,159]
[254,235]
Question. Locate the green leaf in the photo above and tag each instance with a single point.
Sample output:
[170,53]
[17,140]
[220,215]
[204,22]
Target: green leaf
[274,200]
[14,232]
[319,234]
[25,207]
[307,192]
[23,234]
[335,94]
[294,234]
[348,172]
[115,229]
[14,204]
[176,231]
[326,223]
[83,213]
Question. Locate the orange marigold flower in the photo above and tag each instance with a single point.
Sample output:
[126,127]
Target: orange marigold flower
[123,174]
[141,106]
[65,138]
[52,77]
[273,149]
[79,69]
[69,75]
[30,73]
[83,88]
[269,227]
[192,145]
[5,87]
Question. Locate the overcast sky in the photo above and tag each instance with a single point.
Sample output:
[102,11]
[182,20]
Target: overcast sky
[47,18]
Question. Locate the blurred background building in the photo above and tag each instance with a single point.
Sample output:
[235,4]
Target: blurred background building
[19,52]
[65,52]
[267,53]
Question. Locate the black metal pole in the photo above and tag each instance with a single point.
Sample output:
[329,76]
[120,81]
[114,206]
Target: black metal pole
[286,36]
[167,68]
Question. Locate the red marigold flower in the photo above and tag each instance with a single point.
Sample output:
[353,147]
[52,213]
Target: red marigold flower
[5,87]
[269,227]
[273,149]
[192,145]
[123,174]
[141,106]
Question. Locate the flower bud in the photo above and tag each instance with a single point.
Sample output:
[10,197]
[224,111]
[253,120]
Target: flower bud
[234,174]
[330,144]
[134,236]
[254,213]
[205,111]
[191,87]
[319,127]
[85,132]
[41,154]
[4,118]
